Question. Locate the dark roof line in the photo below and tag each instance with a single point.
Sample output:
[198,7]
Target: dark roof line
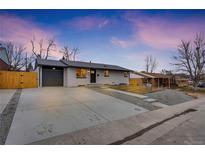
[64,63]
[46,62]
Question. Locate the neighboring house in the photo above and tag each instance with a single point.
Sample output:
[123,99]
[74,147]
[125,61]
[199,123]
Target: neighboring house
[182,80]
[156,79]
[136,79]
[76,73]
[4,62]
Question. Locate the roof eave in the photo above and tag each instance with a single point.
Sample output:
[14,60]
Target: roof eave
[126,70]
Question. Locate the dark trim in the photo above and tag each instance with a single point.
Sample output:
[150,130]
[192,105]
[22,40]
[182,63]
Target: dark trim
[93,76]
[81,77]
[51,66]
[99,68]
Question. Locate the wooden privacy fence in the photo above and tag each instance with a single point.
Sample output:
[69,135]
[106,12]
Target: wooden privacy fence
[136,82]
[14,80]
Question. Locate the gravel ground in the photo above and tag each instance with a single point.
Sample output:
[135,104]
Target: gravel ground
[170,97]
[130,99]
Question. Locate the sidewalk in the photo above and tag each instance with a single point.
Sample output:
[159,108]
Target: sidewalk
[125,130]
[190,131]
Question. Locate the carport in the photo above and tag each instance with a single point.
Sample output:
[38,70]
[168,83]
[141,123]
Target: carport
[51,73]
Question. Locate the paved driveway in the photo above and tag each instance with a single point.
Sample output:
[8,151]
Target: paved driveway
[5,96]
[47,112]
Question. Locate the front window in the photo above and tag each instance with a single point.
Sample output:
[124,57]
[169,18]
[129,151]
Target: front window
[125,74]
[81,73]
[106,73]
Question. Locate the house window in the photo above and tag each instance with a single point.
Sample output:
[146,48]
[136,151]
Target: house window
[106,73]
[125,74]
[81,73]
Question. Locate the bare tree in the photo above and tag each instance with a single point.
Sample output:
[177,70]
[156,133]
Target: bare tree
[29,67]
[69,54]
[29,61]
[191,58]
[38,48]
[75,52]
[16,55]
[150,64]
[166,72]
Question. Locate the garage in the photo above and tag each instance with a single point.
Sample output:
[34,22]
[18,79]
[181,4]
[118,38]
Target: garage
[51,72]
[52,76]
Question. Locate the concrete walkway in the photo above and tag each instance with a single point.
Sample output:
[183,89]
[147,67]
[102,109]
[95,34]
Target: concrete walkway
[128,130]
[46,112]
[190,131]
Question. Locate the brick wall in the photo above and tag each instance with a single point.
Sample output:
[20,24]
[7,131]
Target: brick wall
[3,65]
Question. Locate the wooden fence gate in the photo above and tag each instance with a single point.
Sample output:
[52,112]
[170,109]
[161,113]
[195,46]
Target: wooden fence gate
[14,80]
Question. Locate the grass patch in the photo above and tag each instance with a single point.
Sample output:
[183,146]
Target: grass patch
[190,89]
[199,92]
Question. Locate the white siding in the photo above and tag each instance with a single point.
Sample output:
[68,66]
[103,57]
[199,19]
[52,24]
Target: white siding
[65,76]
[72,81]
[133,75]
[115,77]
[39,71]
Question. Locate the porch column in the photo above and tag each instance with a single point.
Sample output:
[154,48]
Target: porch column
[158,82]
[40,76]
[169,82]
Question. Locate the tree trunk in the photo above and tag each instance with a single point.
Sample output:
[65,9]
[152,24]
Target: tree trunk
[195,84]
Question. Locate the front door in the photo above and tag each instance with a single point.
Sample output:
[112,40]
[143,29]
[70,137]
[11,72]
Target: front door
[92,76]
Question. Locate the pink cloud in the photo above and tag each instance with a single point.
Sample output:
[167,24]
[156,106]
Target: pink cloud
[122,43]
[21,31]
[159,32]
[89,22]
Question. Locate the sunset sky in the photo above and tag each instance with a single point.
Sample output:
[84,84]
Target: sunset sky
[121,37]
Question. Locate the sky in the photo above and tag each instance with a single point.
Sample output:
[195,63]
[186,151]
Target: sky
[119,37]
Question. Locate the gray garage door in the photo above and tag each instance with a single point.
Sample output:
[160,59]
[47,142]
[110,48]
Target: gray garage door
[52,76]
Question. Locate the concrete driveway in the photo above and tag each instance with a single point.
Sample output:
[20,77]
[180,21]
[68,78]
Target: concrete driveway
[48,112]
[5,96]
